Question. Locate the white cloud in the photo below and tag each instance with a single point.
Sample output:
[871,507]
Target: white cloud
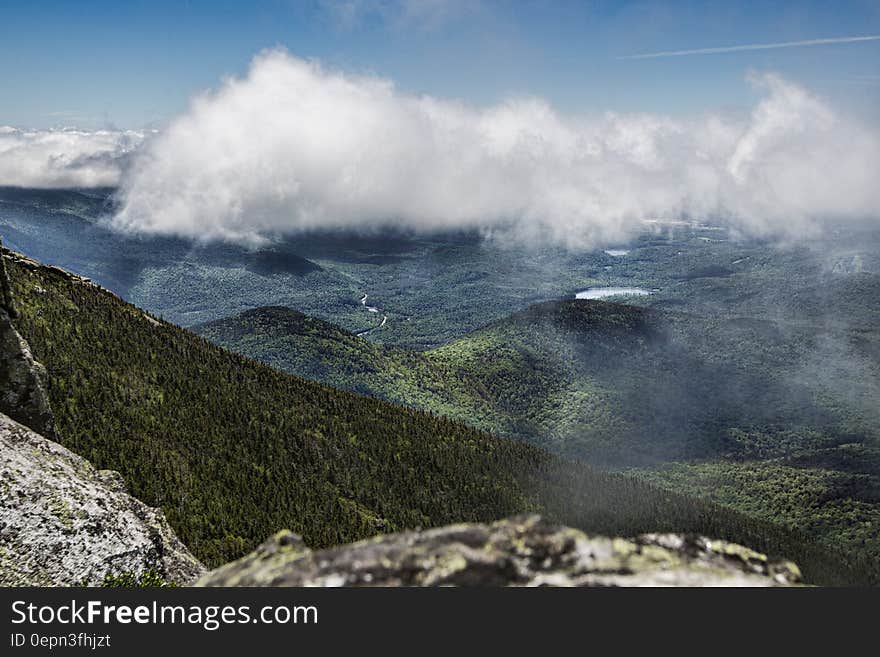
[64,157]
[292,146]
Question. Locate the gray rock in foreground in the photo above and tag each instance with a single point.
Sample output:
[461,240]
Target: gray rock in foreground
[523,551]
[62,522]
[22,390]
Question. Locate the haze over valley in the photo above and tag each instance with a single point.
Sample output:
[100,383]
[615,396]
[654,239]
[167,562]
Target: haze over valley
[380,267]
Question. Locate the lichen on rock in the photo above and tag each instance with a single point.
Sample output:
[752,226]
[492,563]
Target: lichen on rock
[521,551]
[62,522]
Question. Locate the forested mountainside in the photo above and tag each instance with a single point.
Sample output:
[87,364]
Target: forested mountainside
[763,415]
[233,450]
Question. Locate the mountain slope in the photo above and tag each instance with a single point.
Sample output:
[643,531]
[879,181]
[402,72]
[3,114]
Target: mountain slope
[730,403]
[312,348]
[594,379]
[777,419]
[233,450]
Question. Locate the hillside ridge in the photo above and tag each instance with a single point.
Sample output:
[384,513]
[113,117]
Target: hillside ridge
[719,407]
[233,450]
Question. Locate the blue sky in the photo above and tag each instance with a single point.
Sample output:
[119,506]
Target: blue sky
[132,64]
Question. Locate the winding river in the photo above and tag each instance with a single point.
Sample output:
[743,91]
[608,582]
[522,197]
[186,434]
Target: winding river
[371,309]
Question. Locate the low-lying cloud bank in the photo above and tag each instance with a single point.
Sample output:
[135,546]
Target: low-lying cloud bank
[292,147]
[65,157]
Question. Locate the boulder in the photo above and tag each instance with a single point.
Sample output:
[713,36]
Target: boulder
[22,379]
[64,523]
[522,551]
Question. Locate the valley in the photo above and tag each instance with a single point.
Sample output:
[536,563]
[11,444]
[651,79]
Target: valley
[745,375]
[231,449]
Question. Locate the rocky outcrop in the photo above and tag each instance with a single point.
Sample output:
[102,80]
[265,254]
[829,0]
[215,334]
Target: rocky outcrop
[62,522]
[525,551]
[22,379]
[22,389]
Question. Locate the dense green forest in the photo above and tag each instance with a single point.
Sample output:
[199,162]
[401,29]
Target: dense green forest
[715,406]
[233,450]
[312,348]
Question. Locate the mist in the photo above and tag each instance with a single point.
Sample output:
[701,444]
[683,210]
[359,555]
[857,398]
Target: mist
[292,147]
[65,157]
